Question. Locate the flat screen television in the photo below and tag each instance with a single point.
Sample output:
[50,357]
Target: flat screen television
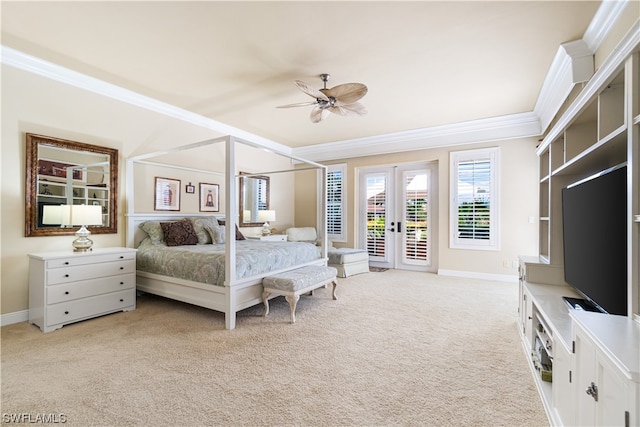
[595,239]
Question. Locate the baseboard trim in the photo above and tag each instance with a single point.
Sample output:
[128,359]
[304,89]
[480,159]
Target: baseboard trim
[484,276]
[15,317]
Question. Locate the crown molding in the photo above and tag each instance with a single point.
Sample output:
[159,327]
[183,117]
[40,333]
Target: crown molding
[603,21]
[626,47]
[492,129]
[31,64]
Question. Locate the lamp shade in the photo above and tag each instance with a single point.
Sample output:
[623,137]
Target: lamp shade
[266,216]
[85,215]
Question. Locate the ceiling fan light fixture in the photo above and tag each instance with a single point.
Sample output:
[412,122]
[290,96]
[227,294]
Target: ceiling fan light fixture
[341,100]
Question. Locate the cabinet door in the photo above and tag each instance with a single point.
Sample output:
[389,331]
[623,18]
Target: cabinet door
[562,386]
[526,313]
[585,374]
[612,391]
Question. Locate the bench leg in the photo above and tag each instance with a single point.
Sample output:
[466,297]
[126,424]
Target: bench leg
[293,301]
[333,292]
[265,301]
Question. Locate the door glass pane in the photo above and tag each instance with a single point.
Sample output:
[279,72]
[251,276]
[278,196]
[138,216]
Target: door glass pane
[376,214]
[415,216]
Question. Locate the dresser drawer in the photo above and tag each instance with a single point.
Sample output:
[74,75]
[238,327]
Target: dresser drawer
[83,289]
[90,271]
[70,311]
[89,259]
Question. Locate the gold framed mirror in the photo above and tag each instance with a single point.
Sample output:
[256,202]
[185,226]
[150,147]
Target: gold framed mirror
[62,172]
[253,197]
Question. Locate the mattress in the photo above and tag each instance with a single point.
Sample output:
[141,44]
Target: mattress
[205,263]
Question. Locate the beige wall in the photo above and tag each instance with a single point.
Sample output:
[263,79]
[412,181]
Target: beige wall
[35,104]
[518,203]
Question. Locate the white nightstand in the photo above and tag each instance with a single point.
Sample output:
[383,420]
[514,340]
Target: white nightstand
[270,238]
[66,287]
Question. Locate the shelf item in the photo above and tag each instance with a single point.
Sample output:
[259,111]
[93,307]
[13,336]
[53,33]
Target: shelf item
[66,287]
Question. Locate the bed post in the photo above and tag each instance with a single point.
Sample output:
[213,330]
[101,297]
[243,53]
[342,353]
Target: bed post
[230,234]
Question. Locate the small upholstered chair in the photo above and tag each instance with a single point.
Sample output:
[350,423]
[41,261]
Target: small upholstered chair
[306,234]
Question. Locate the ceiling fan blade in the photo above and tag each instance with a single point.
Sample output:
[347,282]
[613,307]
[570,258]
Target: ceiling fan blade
[311,91]
[353,109]
[347,93]
[299,104]
[318,114]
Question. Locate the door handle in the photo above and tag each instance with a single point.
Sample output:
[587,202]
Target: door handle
[399,226]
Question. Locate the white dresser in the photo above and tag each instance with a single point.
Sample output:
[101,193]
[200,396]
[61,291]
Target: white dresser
[66,287]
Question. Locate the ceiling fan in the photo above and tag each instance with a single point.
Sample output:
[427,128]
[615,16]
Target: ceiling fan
[341,99]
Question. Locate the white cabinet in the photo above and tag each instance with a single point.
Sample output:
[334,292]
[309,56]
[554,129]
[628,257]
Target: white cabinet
[66,287]
[593,358]
[607,363]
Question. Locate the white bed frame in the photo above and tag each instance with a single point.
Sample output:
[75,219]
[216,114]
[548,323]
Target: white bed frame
[236,294]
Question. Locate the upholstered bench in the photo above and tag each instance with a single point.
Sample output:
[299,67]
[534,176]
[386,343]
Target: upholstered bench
[349,261]
[296,282]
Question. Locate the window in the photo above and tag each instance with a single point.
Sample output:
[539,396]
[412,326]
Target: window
[474,199]
[336,182]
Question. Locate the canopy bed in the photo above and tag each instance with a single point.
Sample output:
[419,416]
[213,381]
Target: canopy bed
[226,274]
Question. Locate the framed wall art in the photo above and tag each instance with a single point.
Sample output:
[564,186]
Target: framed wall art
[209,197]
[167,194]
[190,189]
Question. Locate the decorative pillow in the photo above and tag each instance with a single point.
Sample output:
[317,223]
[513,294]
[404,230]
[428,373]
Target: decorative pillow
[217,232]
[179,233]
[198,226]
[239,235]
[154,230]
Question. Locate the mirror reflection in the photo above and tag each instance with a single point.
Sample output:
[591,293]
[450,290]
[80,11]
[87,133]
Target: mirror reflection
[67,173]
[254,197]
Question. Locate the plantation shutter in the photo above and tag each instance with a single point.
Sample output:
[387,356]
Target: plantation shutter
[473,206]
[335,202]
[474,222]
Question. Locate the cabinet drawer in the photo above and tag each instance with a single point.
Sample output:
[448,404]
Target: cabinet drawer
[89,259]
[83,289]
[67,312]
[85,272]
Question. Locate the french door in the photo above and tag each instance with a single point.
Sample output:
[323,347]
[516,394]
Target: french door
[398,217]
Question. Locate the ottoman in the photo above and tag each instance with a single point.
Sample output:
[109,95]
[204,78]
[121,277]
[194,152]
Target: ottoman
[349,261]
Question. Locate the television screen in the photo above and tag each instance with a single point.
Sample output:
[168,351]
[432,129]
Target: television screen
[595,238]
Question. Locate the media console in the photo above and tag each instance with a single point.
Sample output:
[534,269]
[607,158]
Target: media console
[586,365]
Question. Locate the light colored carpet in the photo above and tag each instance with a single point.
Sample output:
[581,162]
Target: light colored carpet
[396,348]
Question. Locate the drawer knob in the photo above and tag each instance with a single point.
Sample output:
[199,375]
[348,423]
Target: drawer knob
[66,275]
[121,300]
[121,256]
[66,292]
[121,268]
[122,283]
[66,312]
[66,263]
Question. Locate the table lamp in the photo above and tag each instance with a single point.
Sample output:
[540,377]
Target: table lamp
[84,215]
[68,215]
[266,216]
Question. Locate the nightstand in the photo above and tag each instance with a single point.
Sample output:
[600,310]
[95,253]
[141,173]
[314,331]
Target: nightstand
[66,287]
[270,238]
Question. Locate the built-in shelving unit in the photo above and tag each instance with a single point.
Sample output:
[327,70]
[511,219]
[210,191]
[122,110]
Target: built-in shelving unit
[575,355]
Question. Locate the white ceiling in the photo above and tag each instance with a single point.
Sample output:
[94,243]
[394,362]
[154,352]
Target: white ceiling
[426,63]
